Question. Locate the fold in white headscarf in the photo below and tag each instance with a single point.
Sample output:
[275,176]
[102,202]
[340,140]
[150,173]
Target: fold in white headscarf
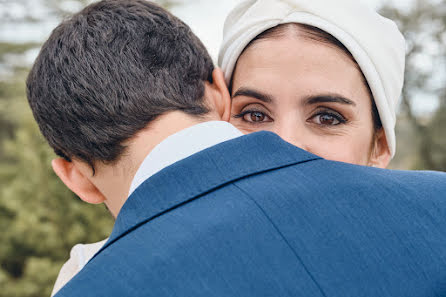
[374,41]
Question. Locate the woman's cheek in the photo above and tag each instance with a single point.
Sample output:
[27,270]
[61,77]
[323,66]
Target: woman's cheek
[346,152]
[244,127]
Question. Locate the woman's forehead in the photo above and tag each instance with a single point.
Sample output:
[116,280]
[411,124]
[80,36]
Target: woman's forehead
[290,65]
[295,58]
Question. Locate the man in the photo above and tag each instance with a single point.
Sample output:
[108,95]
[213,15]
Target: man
[128,98]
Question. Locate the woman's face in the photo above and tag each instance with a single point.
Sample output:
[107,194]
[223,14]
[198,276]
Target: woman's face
[310,93]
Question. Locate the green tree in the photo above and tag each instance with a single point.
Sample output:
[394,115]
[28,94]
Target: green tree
[41,219]
[421,138]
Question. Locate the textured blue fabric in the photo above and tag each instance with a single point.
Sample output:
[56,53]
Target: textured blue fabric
[256,216]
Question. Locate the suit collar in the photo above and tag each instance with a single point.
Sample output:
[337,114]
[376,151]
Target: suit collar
[182,145]
[203,172]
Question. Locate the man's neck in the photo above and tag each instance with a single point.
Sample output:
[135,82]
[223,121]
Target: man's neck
[181,145]
[114,180]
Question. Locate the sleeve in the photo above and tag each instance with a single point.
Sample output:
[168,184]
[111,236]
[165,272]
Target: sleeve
[79,256]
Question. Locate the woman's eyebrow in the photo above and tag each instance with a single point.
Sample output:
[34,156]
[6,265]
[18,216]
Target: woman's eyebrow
[254,94]
[328,98]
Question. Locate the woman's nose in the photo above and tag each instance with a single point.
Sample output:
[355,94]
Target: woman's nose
[292,133]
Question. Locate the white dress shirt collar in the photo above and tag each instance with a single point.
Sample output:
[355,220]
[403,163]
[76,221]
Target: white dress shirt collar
[182,145]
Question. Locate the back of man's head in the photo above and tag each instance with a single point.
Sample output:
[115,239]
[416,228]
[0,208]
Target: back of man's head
[110,70]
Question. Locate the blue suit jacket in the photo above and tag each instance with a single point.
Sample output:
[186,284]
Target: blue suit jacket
[256,216]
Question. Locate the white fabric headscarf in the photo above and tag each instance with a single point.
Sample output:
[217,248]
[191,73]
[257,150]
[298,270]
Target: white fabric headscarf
[374,41]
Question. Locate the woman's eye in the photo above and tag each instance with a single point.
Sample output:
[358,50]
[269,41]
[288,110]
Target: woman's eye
[328,119]
[255,116]
[252,116]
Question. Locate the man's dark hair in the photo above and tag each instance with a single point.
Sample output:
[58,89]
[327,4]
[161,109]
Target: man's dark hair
[108,71]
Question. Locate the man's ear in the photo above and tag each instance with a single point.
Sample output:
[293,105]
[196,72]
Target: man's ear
[219,96]
[77,180]
[380,156]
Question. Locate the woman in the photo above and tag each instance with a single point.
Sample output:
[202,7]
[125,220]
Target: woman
[325,76]
[302,83]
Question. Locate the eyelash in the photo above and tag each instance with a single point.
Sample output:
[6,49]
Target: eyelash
[339,117]
[243,113]
[336,115]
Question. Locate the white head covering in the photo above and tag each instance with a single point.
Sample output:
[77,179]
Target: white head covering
[374,41]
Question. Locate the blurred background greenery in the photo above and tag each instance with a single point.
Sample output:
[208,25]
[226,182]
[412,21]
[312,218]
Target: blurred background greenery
[41,220]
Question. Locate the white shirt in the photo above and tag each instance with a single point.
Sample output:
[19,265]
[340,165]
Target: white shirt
[182,145]
[171,150]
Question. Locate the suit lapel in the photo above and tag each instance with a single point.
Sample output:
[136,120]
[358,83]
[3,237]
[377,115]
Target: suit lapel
[203,172]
